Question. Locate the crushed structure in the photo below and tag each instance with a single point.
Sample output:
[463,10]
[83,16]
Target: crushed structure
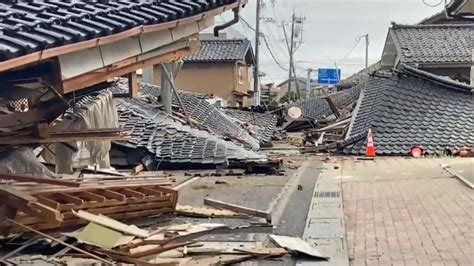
[413,108]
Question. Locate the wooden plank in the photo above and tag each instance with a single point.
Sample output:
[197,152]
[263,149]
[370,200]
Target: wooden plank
[28,220]
[94,187]
[49,202]
[71,199]
[133,85]
[237,208]
[132,193]
[38,179]
[151,191]
[91,196]
[117,216]
[111,194]
[106,73]
[220,260]
[144,251]
[61,242]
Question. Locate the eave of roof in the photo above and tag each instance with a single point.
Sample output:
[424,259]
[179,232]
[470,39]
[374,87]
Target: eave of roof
[96,42]
[246,55]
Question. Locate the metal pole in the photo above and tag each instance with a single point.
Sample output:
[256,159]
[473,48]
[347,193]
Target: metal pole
[291,46]
[367,52]
[256,78]
[308,83]
[166,80]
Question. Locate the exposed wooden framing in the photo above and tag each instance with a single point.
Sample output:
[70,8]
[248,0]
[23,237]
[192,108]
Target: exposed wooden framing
[91,196]
[133,84]
[28,204]
[43,180]
[49,209]
[117,216]
[65,49]
[112,194]
[106,73]
[60,242]
[132,193]
[70,198]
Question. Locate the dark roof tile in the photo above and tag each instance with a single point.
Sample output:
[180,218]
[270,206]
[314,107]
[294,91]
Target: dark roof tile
[431,44]
[29,26]
[411,108]
[221,51]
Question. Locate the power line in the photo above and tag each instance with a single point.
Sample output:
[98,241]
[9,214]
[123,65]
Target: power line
[433,5]
[267,45]
[352,49]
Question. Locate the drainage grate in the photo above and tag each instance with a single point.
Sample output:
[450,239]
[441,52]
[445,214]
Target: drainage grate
[326,194]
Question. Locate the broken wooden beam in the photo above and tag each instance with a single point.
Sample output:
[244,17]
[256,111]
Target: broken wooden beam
[38,179]
[61,242]
[240,209]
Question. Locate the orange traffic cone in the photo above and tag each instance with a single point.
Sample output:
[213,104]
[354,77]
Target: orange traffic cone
[370,151]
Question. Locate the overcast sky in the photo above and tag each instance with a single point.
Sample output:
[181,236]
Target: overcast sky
[330,31]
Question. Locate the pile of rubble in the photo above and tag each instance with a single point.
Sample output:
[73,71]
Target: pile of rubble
[403,108]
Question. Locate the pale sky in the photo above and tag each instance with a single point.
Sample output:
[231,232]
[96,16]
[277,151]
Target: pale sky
[330,31]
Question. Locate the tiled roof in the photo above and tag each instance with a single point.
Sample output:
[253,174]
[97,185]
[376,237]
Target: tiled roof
[414,108]
[221,51]
[318,107]
[434,44]
[170,141]
[263,125]
[29,26]
[208,116]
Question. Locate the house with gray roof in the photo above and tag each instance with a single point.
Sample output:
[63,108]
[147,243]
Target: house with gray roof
[444,50]
[222,68]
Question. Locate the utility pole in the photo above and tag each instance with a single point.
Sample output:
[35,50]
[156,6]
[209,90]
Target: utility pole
[308,83]
[292,47]
[367,53]
[291,50]
[256,73]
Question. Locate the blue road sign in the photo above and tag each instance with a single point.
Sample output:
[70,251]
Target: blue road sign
[329,76]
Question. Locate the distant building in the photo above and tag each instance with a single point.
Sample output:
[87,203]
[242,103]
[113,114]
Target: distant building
[221,68]
[314,90]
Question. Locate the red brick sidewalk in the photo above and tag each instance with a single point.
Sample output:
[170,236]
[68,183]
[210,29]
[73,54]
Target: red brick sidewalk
[411,220]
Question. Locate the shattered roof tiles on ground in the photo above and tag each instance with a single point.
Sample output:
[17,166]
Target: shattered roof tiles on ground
[263,125]
[220,51]
[413,108]
[30,26]
[431,44]
[208,116]
[172,142]
[318,107]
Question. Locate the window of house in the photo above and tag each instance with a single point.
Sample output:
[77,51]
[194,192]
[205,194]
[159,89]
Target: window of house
[241,75]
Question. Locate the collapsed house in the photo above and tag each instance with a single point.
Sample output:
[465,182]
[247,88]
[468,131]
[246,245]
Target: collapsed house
[413,108]
[262,126]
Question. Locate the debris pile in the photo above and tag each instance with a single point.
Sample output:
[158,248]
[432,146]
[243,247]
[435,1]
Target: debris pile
[260,126]
[170,142]
[207,116]
[410,108]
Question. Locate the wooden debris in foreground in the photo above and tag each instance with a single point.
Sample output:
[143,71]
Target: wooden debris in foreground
[239,209]
[38,179]
[51,208]
[202,212]
[61,242]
